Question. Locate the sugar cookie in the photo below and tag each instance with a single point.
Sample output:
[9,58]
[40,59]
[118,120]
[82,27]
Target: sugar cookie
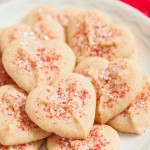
[90,33]
[116,84]
[136,118]
[33,63]
[15,126]
[66,108]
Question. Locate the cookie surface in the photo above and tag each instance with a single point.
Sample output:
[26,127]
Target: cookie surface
[136,118]
[101,137]
[66,108]
[116,84]
[15,126]
[30,146]
[91,33]
[33,63]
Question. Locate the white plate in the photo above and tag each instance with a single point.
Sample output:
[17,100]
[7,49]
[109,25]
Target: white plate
[13,11]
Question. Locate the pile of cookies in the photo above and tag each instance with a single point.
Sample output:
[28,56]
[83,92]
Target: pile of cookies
[71,76]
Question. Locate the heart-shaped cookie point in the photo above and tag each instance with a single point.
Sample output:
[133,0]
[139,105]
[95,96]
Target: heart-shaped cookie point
[136,118]
[116,84]
[91,33]
[29,146]
[15,126]
[66,108]
[101,137]
[33,63]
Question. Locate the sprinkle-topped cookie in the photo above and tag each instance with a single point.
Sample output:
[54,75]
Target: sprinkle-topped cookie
[32,63]
[68,103]
[15,126]
[101,137]
[116,84]
[91,33]
[130,120]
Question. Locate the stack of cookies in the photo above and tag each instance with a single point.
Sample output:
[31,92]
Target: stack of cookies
[71,76]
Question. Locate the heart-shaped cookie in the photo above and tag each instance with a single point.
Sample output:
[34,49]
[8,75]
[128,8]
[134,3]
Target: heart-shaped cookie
[101,137]
[136,118]
[33,63]
[15,126]
[4,77]
[91,33]
[116,84]
[66,108]
[30,146]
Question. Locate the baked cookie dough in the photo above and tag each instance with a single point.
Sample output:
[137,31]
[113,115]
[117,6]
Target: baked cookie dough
[33,63]
[15,126]
[91,33]
[101,137]
[66,108]
[116,84]
[136,118]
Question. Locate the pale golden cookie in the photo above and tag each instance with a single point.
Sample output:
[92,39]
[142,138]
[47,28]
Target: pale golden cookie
[33,63]
[136,118]
[15,126]
[101,137]
[29,146]
[91,33]
[66,108]
[116,84]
